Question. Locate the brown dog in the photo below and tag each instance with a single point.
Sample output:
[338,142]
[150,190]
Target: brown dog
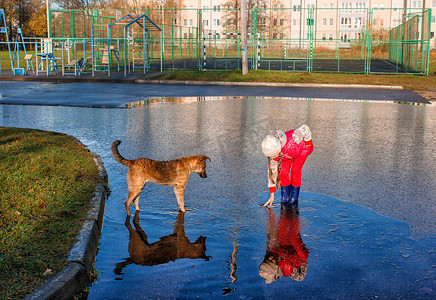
[174,173]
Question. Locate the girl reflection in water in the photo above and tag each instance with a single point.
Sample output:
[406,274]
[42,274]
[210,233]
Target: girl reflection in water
[287,152]
[286,254]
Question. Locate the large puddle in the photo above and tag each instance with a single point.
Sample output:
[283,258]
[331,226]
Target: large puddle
[365,226]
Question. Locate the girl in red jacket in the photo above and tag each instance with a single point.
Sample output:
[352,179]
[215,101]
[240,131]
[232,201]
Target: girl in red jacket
[287,152]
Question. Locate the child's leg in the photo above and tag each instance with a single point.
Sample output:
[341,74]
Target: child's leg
[296,178]
[285,181]
[296,170]
[284,173]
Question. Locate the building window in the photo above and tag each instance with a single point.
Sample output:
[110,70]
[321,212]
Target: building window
[324,22]
[331,21]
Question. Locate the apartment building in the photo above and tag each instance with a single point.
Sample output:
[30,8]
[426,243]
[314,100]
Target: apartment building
[288,19]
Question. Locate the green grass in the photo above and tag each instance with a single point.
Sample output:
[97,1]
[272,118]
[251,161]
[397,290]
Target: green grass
[46,182]
[411,82]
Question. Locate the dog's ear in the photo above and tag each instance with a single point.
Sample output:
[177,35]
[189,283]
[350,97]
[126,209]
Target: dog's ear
[205,157]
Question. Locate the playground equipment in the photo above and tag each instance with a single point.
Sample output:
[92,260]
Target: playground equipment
[46,56]
[18,70]
[4,30]
[75,65]
[127,39]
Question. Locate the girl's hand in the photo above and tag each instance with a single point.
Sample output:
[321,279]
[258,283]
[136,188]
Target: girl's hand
[270,200]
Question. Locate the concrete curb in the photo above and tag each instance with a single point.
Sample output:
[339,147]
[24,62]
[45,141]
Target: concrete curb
[76,276]
[267,84]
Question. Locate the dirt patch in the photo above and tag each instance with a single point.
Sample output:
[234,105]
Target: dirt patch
[429,95]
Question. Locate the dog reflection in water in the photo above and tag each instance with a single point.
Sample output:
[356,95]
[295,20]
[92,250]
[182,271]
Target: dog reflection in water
[286,254]
[168,248]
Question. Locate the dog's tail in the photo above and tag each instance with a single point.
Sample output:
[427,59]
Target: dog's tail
[117,154]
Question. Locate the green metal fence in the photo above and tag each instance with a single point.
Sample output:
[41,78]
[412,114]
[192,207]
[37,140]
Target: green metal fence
[340,40]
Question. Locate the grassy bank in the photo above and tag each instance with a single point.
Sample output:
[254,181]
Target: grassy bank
[46,181]
[411,82]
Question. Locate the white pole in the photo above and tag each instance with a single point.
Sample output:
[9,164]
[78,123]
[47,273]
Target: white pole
[161,51]
[48,21]
[244,36]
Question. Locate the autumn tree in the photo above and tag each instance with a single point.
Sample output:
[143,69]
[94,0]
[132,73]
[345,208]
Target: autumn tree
[20,14]
[80,4]
[37,25]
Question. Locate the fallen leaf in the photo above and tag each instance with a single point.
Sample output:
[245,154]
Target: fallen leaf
[47,272]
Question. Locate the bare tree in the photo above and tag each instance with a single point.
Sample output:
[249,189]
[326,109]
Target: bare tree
[230,18]
[232,14]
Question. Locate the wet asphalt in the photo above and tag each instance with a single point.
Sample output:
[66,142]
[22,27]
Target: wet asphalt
[367,206]
[116,94]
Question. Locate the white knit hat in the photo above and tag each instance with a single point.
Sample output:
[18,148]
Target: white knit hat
[281,135]
[270,271]
[271,146]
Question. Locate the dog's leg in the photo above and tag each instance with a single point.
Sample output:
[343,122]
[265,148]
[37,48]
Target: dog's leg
[133,196]
[136,202]
[135,186]
[179,190]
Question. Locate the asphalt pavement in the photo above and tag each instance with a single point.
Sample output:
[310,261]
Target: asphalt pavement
[115,91]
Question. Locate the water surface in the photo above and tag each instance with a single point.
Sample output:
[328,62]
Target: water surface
[367,208]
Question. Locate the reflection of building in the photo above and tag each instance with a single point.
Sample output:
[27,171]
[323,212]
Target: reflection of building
[288,19]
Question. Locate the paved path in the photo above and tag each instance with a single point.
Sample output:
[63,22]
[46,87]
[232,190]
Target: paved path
[103,91]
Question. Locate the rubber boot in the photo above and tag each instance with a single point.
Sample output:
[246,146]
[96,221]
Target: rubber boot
[295,192]
[286,193]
